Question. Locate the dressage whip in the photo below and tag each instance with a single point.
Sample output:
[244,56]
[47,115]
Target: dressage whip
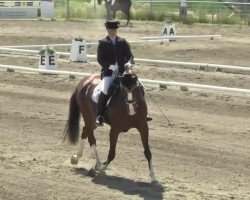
[157,105]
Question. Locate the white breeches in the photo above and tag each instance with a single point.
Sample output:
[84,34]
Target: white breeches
[112,2]
[106,82]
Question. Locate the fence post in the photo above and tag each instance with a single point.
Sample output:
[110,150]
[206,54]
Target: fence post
[246,13]
[67,9]
[94,9]
[150,8]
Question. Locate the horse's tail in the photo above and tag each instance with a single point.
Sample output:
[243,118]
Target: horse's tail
[72,127]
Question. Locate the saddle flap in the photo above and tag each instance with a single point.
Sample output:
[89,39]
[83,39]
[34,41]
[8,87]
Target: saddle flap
[96,94]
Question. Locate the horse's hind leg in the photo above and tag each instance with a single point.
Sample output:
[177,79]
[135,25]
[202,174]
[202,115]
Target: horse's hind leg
[75,158]
[144,137]
[128,17]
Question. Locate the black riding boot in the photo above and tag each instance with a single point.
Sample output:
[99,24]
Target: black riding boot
[100,109]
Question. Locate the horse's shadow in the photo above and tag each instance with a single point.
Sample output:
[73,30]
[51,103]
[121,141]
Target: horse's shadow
[145,190]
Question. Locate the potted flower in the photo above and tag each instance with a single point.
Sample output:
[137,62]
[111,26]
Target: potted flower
[46,49]
[78,39]
[47,58]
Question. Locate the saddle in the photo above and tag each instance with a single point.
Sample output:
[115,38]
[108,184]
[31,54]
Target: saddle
[97,91]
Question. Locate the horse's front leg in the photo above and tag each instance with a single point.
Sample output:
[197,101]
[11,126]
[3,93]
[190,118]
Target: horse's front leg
[75,158]
[144,137]
[92,142]
[113,137]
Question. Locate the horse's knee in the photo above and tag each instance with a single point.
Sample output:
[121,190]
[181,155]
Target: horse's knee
[148,154]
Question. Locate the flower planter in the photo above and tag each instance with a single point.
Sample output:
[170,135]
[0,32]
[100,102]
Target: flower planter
[47,61]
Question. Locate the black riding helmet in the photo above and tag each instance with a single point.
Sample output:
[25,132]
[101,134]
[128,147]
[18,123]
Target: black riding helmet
[112,24]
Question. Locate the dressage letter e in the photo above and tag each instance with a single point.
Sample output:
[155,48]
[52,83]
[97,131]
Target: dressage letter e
[42,60]
[52,60]
[81,48]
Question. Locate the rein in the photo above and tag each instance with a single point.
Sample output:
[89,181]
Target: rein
[126,89]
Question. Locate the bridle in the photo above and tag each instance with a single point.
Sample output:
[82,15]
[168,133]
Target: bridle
[129,99]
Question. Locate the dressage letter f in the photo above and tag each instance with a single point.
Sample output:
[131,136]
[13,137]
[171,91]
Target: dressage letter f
[81,48]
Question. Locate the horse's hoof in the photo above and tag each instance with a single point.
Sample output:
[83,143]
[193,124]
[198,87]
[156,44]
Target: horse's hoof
[103,167]
[155,182]
[74,159]
[91,173]
[97,167]
[157,186]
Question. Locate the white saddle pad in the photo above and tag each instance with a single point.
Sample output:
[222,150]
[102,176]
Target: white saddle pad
[96,93]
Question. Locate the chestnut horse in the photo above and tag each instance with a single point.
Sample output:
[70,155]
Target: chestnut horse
[127,109]
[114,5]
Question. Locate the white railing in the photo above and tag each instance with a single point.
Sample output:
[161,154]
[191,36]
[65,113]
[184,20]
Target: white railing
[177,63]
[19,3]
[157,82]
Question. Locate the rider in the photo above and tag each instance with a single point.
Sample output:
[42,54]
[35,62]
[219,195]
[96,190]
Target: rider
[114,56]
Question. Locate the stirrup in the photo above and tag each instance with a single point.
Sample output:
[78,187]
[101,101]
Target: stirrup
[99,120]
[149,119]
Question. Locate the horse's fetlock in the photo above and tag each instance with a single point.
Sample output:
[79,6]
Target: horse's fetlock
[74,159]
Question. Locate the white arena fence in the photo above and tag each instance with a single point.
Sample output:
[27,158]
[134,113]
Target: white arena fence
[18,3]
[146,81]
[33,9]
[176,63]
[180,37]
[87,43]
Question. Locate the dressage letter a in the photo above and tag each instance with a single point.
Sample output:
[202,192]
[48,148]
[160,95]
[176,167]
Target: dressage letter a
[81,48]
[171,32]
[165,32]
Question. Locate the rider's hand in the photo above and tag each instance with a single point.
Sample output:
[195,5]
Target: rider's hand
[112,67]
[128,66]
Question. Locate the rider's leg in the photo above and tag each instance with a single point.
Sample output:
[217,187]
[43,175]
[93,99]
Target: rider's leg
[100,109]
[105,84]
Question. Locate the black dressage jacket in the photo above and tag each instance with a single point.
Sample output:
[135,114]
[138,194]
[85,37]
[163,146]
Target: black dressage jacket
[108,54]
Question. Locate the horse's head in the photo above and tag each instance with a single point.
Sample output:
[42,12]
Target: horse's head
[99,2]
[132,93]
[129,81]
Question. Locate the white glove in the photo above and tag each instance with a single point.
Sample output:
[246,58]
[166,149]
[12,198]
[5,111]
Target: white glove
[113,67]
[128,65]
